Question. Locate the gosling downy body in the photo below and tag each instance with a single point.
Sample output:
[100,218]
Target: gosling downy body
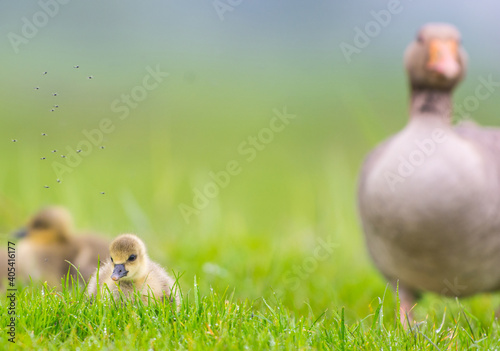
[429,196]
[130,269]
[48,242]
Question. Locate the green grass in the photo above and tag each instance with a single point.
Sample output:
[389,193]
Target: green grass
[67,320]
[260,284]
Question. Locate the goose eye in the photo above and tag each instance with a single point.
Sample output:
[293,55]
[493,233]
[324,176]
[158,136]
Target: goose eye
[132,258]
[112,259]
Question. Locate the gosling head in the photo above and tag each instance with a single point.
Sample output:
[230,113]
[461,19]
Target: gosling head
[50,225]
[128,254]
[436,59]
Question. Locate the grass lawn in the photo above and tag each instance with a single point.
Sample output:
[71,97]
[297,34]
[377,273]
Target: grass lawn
[55,320]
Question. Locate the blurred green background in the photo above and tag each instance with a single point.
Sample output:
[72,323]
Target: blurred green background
[225,79]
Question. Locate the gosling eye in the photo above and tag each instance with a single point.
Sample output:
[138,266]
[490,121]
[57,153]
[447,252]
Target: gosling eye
[40,224]
[112,259]
[132,258]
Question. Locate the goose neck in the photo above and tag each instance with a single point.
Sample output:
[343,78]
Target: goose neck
[429,103]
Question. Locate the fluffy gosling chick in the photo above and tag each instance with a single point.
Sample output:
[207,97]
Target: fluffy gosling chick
[131,269]
[48,242]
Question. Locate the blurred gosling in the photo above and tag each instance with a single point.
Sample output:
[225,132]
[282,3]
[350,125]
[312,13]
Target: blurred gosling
[131,269]
[48,242]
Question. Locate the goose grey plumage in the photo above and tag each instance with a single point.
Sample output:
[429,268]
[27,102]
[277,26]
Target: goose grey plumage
[429,196]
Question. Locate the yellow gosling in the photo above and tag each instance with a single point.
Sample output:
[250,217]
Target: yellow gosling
[130,269]
[48,244]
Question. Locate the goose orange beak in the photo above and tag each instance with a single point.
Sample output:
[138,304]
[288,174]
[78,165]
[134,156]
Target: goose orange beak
[443,57]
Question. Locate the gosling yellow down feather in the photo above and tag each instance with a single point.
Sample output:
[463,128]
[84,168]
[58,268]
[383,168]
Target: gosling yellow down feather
[130,269]
[48,244]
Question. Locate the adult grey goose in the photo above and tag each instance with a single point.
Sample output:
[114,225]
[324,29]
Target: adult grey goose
[429,196]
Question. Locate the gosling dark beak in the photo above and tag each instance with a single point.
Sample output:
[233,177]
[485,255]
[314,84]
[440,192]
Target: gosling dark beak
[119,272]
[21,233]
